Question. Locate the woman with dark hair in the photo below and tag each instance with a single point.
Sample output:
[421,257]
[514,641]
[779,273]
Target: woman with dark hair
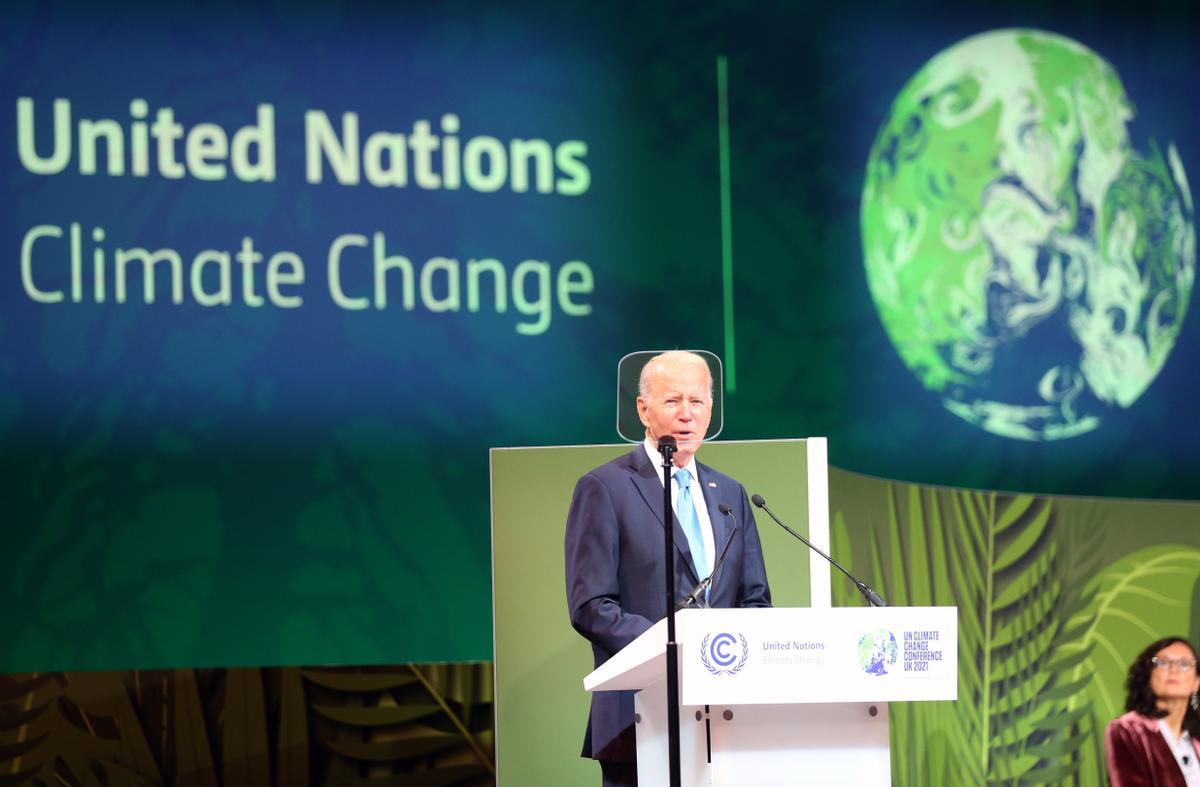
[1157,743]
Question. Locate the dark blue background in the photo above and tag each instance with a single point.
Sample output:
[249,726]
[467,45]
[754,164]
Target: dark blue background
[343,455]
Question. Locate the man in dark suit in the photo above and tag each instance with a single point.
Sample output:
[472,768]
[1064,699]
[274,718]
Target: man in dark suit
[614,542]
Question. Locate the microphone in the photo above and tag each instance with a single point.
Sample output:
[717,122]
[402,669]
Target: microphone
[667,446]
[870,595]
[693,598]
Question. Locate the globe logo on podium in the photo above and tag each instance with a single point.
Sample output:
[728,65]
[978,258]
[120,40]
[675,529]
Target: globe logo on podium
[877,650]
[1030,263]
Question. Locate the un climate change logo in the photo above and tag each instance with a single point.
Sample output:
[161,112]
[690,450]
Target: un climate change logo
[724,654]
[1031,267]
[877,650]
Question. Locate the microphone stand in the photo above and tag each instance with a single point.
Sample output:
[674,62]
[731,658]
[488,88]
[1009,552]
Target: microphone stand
[666,445]
[695,598]
[873,598]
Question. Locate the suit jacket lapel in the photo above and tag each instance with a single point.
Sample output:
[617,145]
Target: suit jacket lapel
[647,478]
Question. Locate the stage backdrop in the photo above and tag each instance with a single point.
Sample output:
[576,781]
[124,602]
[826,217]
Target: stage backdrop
[275,278]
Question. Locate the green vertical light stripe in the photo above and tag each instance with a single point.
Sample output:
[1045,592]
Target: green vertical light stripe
[726,221]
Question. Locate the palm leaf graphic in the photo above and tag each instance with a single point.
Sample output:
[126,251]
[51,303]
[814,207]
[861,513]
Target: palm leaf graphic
[67,728]
[410,725]
[1045,631]
[406,724]
[1007,562]
[932,743]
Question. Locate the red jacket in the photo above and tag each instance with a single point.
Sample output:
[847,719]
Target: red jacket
[1138,756]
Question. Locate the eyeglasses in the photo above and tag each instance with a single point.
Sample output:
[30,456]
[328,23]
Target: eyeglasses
[1174,665]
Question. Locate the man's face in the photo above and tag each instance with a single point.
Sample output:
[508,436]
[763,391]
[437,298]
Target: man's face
[679,403]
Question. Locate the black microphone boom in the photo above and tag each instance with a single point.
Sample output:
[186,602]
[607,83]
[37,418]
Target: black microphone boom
[693,598]
[871,596]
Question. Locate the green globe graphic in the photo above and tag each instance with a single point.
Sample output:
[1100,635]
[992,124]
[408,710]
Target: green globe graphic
[1031,267]
[877,651]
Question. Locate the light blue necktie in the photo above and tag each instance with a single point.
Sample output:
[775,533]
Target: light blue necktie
[685,509]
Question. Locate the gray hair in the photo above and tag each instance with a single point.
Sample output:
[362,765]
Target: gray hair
[660,362]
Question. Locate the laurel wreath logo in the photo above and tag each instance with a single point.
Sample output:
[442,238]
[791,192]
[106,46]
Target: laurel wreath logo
[718,654]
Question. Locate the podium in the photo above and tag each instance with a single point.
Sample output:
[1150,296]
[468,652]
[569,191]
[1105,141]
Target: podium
[783,696]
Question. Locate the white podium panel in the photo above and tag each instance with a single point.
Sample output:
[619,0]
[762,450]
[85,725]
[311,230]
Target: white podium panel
[650,705]
[784,696]
[810,744]
[855,654]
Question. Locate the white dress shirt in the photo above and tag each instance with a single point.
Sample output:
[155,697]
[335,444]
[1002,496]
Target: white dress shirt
[1185,753]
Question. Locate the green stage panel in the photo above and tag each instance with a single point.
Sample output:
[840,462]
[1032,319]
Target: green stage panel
[541,707]
[1055,596]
